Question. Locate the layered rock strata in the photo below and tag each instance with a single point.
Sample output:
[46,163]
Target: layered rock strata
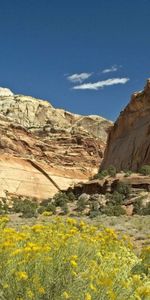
[43,149]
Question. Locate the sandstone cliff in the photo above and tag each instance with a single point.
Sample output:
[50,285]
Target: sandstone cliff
[128,144]
[43,149]
[36,115]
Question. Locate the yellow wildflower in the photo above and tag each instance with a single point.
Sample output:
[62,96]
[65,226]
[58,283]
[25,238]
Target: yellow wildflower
[88,296]
[30,294]
[144,291]
[92,287]
[73,263]
[41,290]
[22,275]
[66,295]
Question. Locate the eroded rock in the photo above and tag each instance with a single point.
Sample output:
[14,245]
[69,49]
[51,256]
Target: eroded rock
[128,146]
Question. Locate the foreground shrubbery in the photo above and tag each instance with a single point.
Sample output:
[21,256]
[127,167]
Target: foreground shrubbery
[70,260]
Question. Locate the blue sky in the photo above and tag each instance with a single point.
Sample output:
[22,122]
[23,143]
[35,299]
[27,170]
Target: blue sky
[44,42]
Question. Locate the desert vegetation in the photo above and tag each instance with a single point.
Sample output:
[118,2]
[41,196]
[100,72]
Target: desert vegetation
[76,246]
[111,203]
[69,259]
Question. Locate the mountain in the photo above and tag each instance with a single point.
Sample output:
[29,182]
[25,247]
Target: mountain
[128,145]
[43,149]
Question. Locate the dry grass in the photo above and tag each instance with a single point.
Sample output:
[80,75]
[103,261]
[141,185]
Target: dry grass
[136,227]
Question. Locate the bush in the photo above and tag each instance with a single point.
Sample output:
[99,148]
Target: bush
[47,206]
[82,202]
[123,188]
[4,209]
[100,174]
[94,213]
[17,205]
[116,198]
[60,199]
[112,171]
[127,173]
[51,207]
[137,206]
[66,259]
[41,210]
[94,205]
[145,170]
[113,210]
[146,210]
[65,209]
[71,197]
[27,207]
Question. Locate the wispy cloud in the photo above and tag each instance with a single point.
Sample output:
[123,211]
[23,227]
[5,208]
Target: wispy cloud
[79,77]
[111,69]
[100,84]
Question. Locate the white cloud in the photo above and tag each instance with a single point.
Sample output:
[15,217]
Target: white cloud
[79,77]
[100,84]
[112,69]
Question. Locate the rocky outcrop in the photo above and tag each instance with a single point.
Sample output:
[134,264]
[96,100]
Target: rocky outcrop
[109,184]
[128,144]
[43,149]
[38,115]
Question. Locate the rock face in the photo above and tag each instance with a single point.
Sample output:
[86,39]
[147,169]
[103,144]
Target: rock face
[38,115]
[108,185]
[43,149]
[128,144]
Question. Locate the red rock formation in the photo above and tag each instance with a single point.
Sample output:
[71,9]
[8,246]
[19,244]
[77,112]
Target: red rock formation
[128,145]
[43,149]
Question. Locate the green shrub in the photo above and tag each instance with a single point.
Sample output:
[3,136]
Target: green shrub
[60,199]
[127,173]
[65,209]
[137,206]
[81,203]
[94,206]
[27,207]
[117,198]
[100,174]
[94,213]
[145,170]
[71,197]
[113,210]
[41,209]
[123,188]
[4,209]
[146,210]
[17,205]
[51,207]
[112,171]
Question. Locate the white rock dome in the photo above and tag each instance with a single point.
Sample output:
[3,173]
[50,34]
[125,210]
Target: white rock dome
[5,92]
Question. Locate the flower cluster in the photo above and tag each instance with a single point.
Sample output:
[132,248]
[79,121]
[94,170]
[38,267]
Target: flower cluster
[69,259]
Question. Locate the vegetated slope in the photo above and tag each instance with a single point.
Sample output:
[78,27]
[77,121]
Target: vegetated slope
[128,144]
[43,149]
